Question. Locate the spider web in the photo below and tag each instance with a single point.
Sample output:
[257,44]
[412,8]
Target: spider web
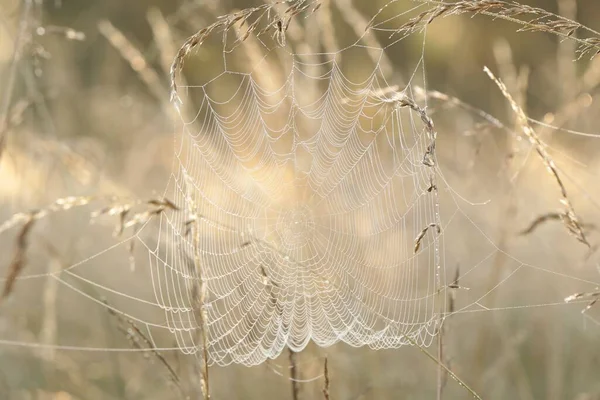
[305,186]
[311,199]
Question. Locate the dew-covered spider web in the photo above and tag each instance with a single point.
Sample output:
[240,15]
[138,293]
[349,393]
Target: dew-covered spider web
[307,196]
[310,186]
[312,198]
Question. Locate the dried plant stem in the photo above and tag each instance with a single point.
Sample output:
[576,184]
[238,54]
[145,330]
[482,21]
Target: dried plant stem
[294,375]
[441,376]
[165,44]
[456,102]
[540,220]
[199,289]
[49,321]
[448,311]
[28,220]
[61,204]
[163,37]
[200,296]
[569,217]
[326,375]
[18,262]
[592,296]
[532,19]
[127,219]
[258,20]
[444,367]
[140,340]
[10,80]
[422,234]
[516,80]
[137,61]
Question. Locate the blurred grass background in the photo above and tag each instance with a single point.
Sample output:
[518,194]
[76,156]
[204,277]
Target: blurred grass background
[85,122]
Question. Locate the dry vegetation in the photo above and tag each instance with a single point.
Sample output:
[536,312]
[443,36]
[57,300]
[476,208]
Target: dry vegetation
[89,105]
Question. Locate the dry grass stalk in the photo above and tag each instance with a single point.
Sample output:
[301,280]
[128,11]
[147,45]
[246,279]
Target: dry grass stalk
[8,89]
[131,248]
[294,375]
[136,60]
[271,285]
[422,234]
[489,121]
[442,376]
[127,219]
[593,296]
[569,217]
[18,262]
[62,204]
[450,308]
[516,80]
[199,37]
[532,19]
[200,294]
[199,289]
[205,381]
[49,323]
[163,38]
[123,210]
[553,216]
[258,20]
[326,375]
[561,117]
[28,219]
[139,340]
[399,100]
[456,102]
[444,367]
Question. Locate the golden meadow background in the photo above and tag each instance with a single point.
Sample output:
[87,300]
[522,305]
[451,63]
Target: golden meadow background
[89,117]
